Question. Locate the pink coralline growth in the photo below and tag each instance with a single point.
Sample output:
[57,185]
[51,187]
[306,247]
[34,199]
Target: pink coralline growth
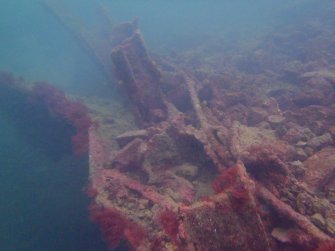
[73,112]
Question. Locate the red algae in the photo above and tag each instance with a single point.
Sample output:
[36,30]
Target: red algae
[213,167]
[116,228]
[169,221]
[327,246]
[239,198]
[112,224]
[74,112]
[225,179]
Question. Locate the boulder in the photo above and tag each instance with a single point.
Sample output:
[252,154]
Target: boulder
[319,169]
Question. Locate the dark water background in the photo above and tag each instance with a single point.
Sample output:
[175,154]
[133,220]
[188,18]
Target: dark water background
[42,206]
[42,203]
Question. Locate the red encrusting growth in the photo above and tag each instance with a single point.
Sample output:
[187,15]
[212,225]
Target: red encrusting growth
[115,227]
[91,192]
[112,224]
[224,127]
[327,246]
[169,221]
[239,197]
[134,234]
[158,243]
[73,112]
[225,179]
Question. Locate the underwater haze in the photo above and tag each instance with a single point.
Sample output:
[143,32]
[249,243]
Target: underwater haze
[42,203]
[37,46]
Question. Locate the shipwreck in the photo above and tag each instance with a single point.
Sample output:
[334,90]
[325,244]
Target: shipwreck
[213,160]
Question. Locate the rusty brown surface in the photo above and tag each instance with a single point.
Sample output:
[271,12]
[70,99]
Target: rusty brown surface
[216,167]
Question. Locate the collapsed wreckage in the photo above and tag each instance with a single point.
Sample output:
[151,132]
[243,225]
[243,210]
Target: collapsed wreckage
[202,171]
[213,164]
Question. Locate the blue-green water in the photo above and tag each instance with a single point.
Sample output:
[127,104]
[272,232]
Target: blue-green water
[42,203]
[36,46]
[42,206]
